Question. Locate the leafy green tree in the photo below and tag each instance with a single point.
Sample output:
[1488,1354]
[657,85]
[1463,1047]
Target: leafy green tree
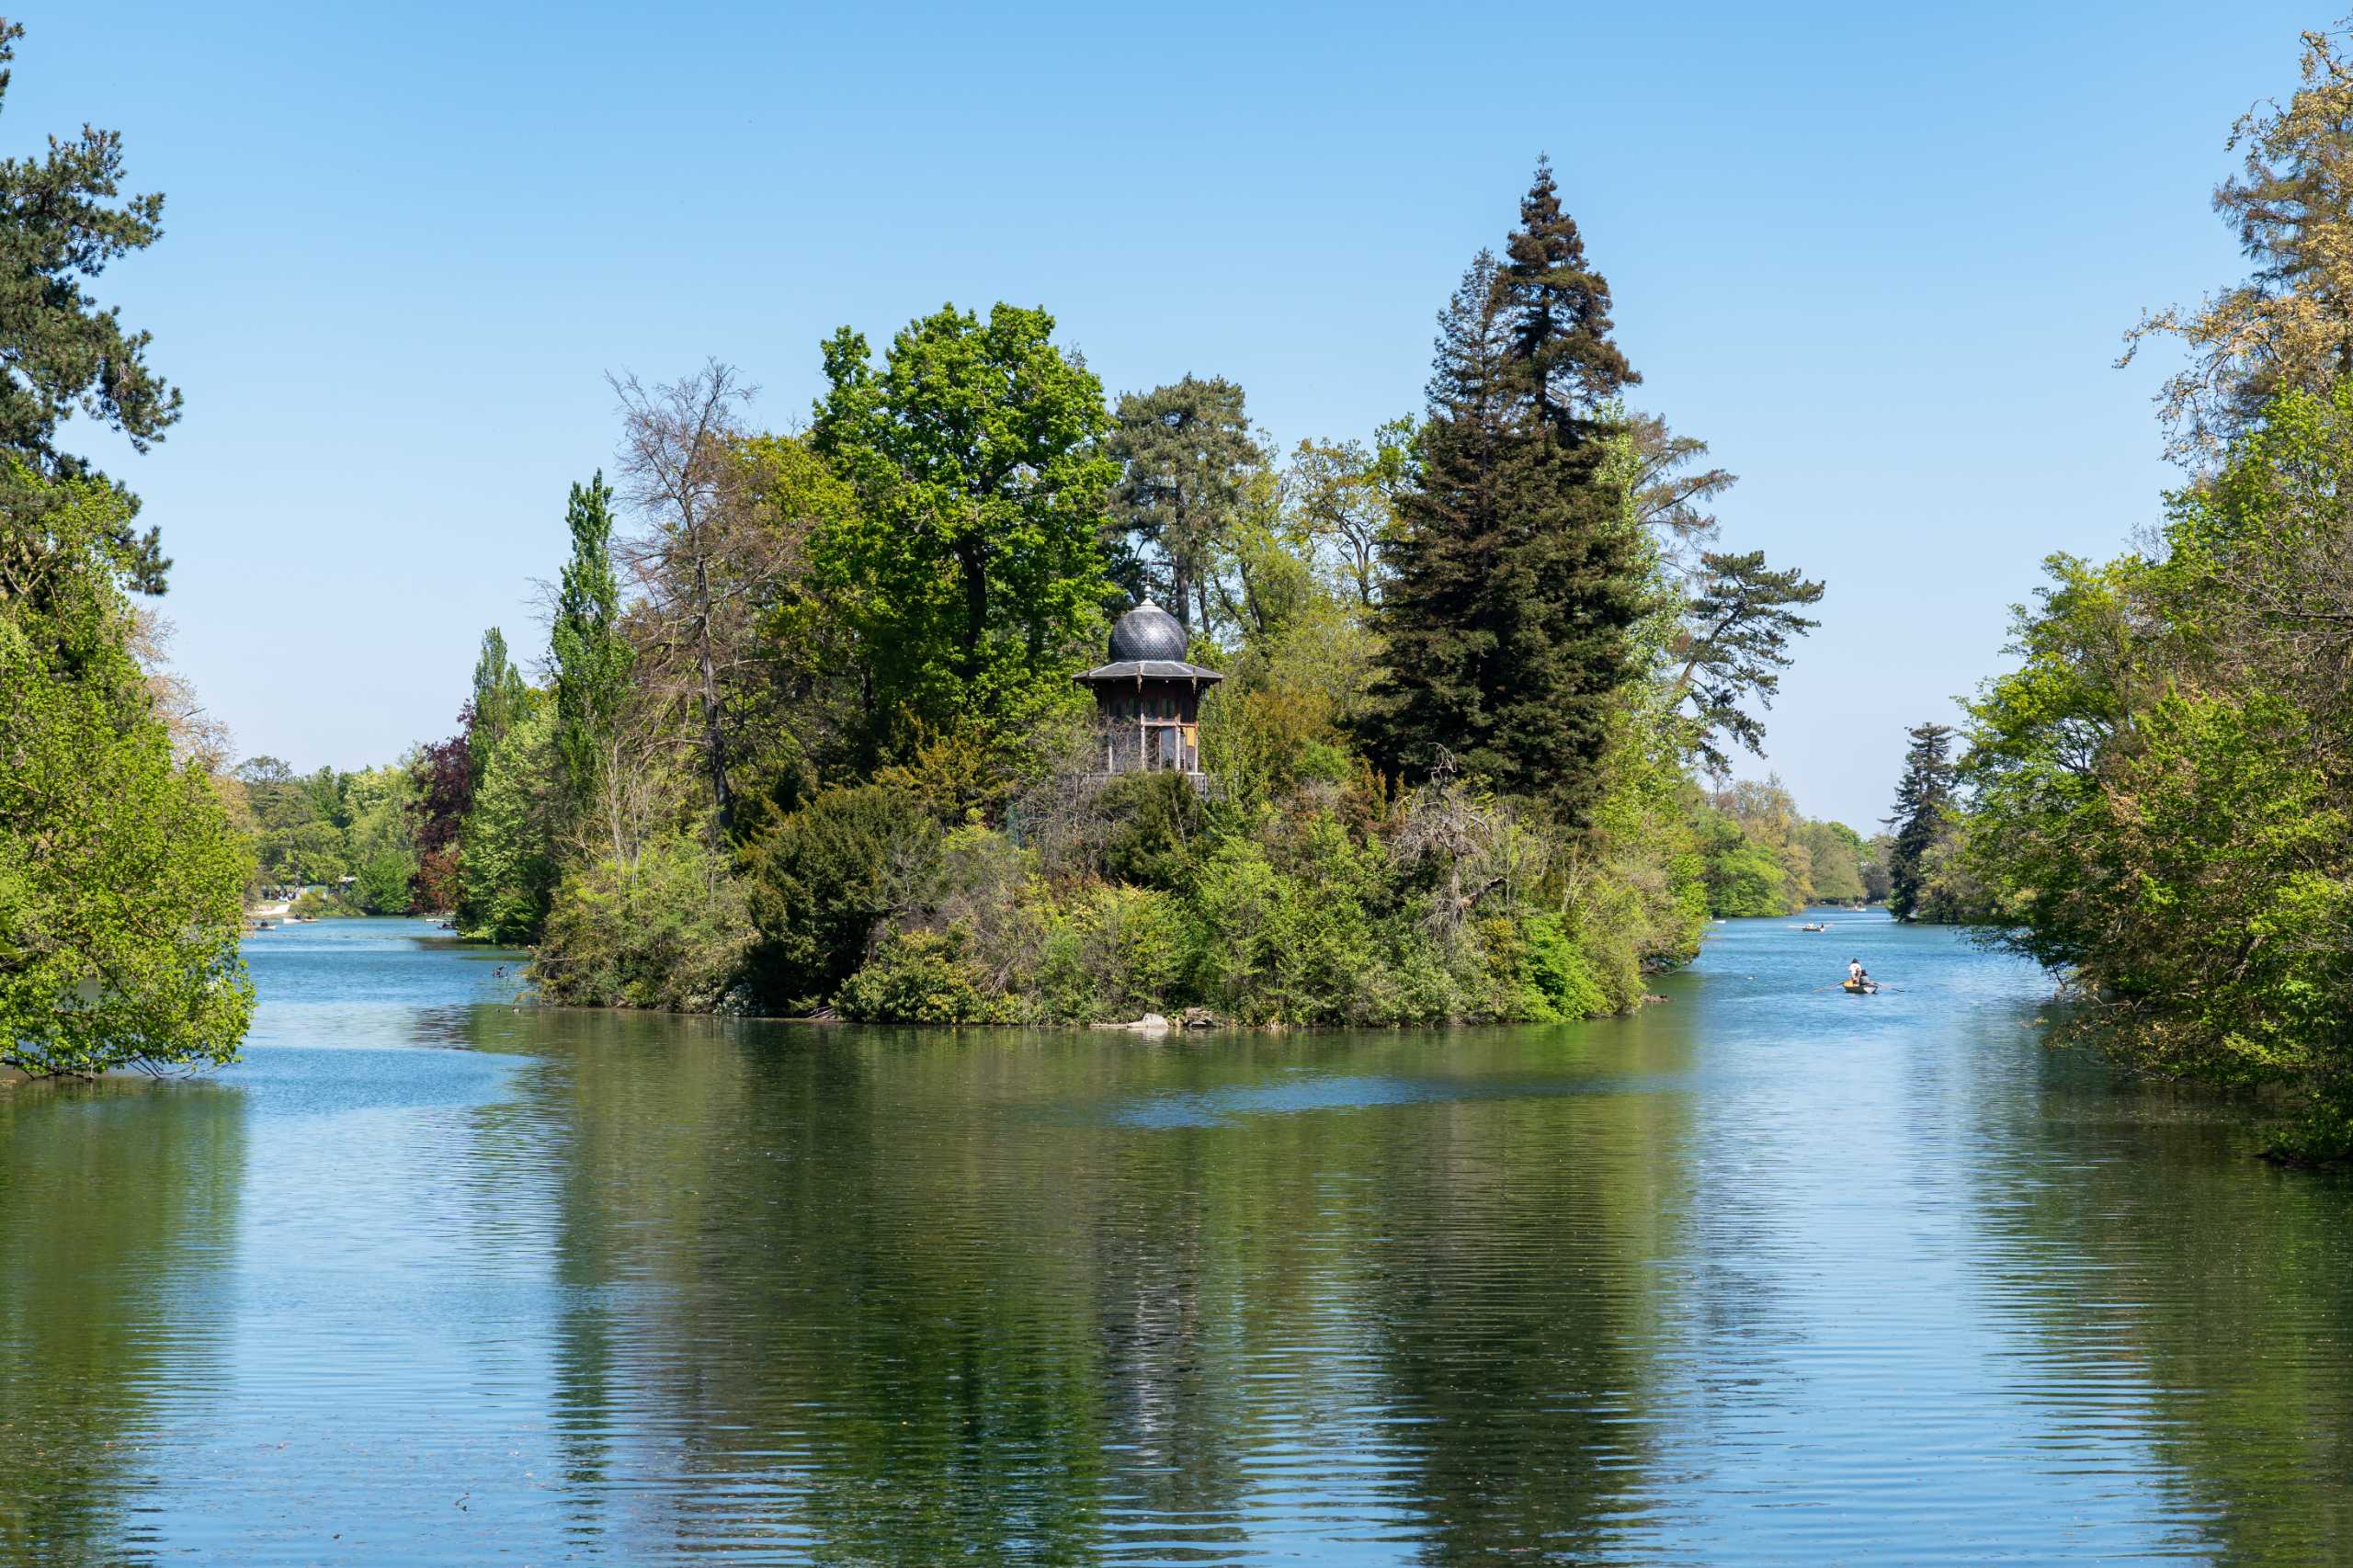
[1837,854]
[314,851]
[1875,850]
[2289,325]
[1348,496]
[593,657]
[507,849]
[498,702]
[62,219]
[796,689]
[1184,453]
[121,879]
[2161,792]
[972,575]
[1923,803]
[1519,575]
[711,560]
[384,881]
[1763,857]
[666,930]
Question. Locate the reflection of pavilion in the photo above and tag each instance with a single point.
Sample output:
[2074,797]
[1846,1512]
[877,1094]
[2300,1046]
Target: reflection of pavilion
[1148,698]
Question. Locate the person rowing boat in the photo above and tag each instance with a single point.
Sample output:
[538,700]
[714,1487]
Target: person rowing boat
[1859,979]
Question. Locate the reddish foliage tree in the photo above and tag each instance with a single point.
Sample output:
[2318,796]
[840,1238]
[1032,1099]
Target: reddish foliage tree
[445,790]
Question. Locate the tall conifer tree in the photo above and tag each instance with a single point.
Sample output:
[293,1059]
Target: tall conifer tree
[1922,799]
[1519,574]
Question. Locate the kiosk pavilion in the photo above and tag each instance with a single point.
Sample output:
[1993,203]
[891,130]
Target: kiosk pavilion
[1148,698]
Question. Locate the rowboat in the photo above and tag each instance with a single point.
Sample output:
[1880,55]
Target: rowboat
[1858,987]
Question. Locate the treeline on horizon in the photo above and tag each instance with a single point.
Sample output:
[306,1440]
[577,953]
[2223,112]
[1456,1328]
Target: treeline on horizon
[808,736]
[2157,803]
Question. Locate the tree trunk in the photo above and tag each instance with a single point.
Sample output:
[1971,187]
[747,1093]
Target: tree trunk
[706,666]
[971,555]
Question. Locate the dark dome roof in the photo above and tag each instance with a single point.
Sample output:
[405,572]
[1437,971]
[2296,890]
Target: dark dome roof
[1147,631]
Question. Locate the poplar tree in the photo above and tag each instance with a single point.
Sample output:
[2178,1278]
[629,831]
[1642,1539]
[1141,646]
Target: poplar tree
[498,703]
[1924,797]
[1519,574]
[593,660]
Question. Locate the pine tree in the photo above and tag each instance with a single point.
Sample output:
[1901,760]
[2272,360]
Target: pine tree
[62,219]
[1431,695]
[1185,450]
[1922,799]
[593,659]
[1518,575]
[1559,310]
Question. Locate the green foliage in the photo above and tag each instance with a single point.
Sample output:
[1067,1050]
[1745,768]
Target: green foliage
[1547,972]
[1761,856]
[1923,818]
[507,849]
[1293,944]
[1836,852]
[384,881]
[1156,822]
[313,851]
[1349,496]
[1111,953]
[1745,879]
[121,879]
[667,931]
[1186,454]
[593,659]
[820,880]
[2161,793]
[316,904]
[1734,642]
[317,828]
[1519,574]
[921,977]
[971,575]
[500,701]
[65,219]
[1449,757]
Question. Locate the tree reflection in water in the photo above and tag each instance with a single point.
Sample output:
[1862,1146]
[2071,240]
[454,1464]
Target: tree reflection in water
[118,1211]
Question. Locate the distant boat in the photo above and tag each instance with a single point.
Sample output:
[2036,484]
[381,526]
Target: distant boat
[1814,925]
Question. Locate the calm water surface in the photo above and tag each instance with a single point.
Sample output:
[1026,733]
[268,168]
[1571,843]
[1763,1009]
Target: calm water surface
[1764,1275]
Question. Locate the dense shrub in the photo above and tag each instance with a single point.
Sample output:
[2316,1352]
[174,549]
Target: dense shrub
[666,931]
[923,977]
[819,881]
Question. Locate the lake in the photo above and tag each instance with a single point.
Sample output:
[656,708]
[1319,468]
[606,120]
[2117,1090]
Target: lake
[1766,1274]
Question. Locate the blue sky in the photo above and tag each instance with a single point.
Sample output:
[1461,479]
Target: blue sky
[1878,256]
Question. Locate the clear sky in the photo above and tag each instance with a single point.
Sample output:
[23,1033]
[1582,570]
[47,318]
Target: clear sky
[1880,256]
